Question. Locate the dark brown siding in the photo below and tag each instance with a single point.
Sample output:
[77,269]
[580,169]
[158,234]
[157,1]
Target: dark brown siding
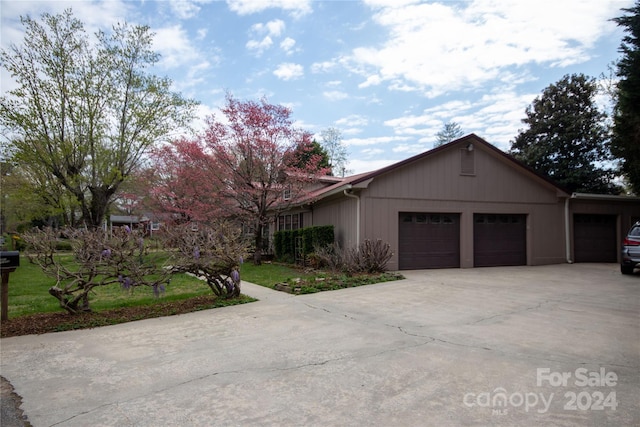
[429,240]
[499,239]
[595,238]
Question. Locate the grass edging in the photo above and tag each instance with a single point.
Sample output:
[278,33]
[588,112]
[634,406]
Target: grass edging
[42,323]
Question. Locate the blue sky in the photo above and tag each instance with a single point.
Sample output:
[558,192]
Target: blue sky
[387,73]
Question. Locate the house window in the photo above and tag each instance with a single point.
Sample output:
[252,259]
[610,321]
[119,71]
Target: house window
[155,226]
[290,222]
[286,194]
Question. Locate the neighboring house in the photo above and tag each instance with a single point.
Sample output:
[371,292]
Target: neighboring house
[130,221]
[467,204]
[150,223]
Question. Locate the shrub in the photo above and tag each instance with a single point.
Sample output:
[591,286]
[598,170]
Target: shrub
[312,237]
[368,257]
[330,256]
[373,256]
[212,252]
[99,259]
[278,243]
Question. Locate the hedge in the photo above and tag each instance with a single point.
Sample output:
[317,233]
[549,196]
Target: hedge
[284,241]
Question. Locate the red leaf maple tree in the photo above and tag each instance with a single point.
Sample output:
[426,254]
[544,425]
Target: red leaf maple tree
[184,182]
[245,166]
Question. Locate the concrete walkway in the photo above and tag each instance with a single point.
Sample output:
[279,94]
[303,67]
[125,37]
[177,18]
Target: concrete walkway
[530,346]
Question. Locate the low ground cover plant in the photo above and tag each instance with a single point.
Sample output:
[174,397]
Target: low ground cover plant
[330,282]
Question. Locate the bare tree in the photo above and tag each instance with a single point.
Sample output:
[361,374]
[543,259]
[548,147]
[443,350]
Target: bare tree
[336,150]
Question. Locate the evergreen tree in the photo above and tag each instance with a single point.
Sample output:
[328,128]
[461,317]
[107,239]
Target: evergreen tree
[449,132]
[625,141]
[306,152]
[567,137]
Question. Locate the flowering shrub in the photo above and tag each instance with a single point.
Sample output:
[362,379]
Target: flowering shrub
[213,253]
[100,259]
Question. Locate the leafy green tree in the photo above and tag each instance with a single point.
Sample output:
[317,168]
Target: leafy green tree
[625,141]
[28,199]
[83,114]
[449,132]
[306,151]
[567,137]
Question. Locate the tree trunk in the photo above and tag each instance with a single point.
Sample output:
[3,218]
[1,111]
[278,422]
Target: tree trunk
[100,199]
[257,254]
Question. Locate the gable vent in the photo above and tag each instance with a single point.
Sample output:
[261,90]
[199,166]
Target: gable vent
[467,161]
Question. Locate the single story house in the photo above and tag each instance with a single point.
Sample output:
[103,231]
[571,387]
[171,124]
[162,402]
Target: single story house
[467,204]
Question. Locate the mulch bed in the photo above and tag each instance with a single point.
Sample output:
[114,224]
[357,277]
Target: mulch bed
[62,321]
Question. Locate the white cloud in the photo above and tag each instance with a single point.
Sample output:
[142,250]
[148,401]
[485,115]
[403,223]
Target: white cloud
[439,47]
[273,28]
[202,33]
[372,80]
[259,46]
[185,9]
[375,140]
[335,95]
[175,47]
[370,152]
[287,45]
[323,67]
[495,116]
[297,8]
[411,121]
[360,166]
[353,120]
[94,15]
[410,148]
[289,71]
[263,35]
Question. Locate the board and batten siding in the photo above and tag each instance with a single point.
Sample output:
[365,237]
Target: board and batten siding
[341,213]
[437,185]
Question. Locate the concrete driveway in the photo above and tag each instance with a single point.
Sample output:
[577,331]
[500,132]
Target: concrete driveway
[550,345]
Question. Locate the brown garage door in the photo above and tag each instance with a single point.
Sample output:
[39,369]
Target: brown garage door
[428,241]
[499,239]
[594,238]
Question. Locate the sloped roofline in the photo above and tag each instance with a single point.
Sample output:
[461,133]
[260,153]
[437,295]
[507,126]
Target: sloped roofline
[362,180]
[472,137]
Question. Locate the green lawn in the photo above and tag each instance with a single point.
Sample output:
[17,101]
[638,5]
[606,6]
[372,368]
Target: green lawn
[268,274]
[28,287]
[28,292]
